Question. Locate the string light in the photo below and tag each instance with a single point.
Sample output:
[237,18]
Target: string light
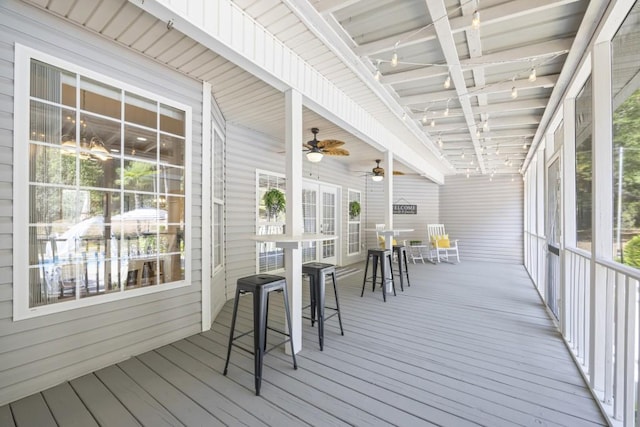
[514,89]
[532,75]
[446,110]
[404,116]
[447,82]
[433,123]
[475,22]
[485,125]
[394,59]
[424,117]
[477,132]
[462,154]
[377,74]
[440,143]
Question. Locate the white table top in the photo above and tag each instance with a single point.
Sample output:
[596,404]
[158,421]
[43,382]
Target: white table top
[394,230]
[291,241]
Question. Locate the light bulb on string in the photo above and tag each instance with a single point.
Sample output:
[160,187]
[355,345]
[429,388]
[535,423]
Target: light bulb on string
[394,59]
[440,143]
[462,154]
[404,116]
[424,118]
[475,21]
[532,75]
[433,123]
[377,76]
[446,112]
[447,82]
[514,89]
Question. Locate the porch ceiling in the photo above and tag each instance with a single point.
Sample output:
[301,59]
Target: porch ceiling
[486,129]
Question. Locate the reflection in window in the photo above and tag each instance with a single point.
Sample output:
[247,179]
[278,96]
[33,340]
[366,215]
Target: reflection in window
[584,166]
[270,258]
[106,213]
[626,140]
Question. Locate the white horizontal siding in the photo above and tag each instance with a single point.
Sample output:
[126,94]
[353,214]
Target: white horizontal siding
[486,216]
[41,352]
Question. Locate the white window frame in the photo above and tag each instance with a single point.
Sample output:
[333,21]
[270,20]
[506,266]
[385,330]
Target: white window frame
[21,309]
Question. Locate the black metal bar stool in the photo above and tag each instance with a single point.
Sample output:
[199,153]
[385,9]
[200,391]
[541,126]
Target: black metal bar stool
[403,269]
[317,272]
[379,256]
[260,285]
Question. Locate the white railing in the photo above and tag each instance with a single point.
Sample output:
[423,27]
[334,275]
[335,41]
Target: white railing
[620,365]
[576,305]
[618,391]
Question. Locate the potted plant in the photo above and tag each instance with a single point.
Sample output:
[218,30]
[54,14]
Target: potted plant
[274,201]
[354,209]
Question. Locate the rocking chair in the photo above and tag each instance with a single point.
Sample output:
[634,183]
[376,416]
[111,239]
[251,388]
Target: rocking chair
[440,246]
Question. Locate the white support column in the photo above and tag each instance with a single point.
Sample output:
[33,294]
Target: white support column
[207,212]
[601,207]
[294,226]
[388,189]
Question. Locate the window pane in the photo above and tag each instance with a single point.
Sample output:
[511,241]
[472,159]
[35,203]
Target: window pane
[172,120]
[137,176]
[584,165]
[218,167]
[626,140]
[172,150]
[100,98]
[46,123]
[171,180]
[100,136]
[52,84]
[141,111]
[51,165]
[140,143]
[218,234]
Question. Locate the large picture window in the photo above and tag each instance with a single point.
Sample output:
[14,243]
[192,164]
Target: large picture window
[105,186]
[626,140]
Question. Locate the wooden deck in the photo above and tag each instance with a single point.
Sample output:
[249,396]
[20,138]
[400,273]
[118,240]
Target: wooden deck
[466,344]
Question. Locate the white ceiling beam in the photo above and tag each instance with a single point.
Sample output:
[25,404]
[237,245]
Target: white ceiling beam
[438,11]
[329,6]
[491,15]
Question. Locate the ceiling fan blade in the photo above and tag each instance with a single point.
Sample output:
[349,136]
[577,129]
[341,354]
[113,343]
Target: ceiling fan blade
[398,173]
[330,143]
[307,146]
[335,152]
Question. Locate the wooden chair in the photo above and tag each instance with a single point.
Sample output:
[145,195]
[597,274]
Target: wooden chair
[440,246]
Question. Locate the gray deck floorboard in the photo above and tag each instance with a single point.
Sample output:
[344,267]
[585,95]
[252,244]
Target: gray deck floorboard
[466,344]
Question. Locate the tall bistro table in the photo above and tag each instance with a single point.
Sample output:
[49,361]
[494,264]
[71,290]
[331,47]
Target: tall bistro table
[389,234]
[294,281]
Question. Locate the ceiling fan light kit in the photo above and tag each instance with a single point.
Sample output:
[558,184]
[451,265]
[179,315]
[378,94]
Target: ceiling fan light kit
[316,150]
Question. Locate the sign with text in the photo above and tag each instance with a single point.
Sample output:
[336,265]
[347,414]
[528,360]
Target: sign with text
[405,209]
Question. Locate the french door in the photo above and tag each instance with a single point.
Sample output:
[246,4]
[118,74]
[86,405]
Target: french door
[320,213]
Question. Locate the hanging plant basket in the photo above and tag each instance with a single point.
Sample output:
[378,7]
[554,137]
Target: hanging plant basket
[274,201]
[354,209]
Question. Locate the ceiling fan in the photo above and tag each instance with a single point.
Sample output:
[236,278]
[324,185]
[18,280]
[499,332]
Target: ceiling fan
[316,149]
[377,173]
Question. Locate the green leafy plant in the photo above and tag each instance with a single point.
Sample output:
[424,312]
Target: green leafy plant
[274,201]
[354,209]
[632,252]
